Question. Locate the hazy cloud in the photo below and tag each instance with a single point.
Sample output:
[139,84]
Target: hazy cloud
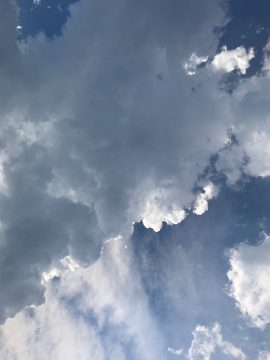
[207,340]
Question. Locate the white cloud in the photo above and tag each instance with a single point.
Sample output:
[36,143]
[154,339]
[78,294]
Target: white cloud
[88,314]
[158,209]
[207,340]
[229,60]
[249,281]
[201,202]
[193,62]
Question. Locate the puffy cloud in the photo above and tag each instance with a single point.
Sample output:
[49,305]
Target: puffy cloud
[193,63]
[207,340]
[159,209]
[235,59]
[249,285]
[248,153]
[144,295]
[201,202]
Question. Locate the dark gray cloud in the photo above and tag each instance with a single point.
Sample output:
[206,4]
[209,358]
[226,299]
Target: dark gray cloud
[37,230]
[89,132]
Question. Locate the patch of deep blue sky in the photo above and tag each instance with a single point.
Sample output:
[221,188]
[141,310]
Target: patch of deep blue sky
[47,16]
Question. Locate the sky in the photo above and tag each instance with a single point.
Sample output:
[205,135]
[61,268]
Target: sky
[134,180]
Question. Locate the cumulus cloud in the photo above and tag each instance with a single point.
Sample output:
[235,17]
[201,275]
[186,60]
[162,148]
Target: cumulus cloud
[201,202]
[159,209]
[235,59]
[193,63]
[249,285]
[249,151]
[140,297]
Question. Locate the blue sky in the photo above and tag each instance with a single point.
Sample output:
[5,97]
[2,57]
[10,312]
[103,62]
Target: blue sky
[47,16]
[134,180]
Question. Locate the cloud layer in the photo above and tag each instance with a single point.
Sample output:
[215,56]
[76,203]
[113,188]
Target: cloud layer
[102,128]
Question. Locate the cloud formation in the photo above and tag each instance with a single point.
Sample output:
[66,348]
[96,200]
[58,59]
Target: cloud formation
[102,128]
[249,286]
[89,313]
[89,133]
[201,202]
[235,59]
[193,63]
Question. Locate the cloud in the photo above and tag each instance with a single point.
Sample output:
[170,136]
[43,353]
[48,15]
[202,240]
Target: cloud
[207,340]
[235,59]
[176,352]
[248,153]
[201,202]
[93,141]
[159,209]
[92,313]
[193,63]
[264,355]
[89,134]
[249,286]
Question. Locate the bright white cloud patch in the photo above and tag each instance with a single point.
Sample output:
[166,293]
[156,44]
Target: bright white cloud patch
[87,122]
[201,202]
[158,210]
[207,340]
[193,62]
[235,59]
[249,281]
